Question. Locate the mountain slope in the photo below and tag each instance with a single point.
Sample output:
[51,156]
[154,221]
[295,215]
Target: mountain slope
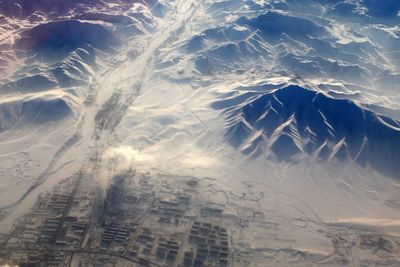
[293,120]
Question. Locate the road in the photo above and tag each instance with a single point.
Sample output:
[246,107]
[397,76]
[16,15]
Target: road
[80,251]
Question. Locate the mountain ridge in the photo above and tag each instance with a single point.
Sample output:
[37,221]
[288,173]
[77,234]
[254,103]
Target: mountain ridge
[293,120]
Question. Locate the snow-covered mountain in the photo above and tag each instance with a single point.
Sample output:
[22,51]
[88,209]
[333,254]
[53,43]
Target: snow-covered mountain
[293,102]
[291,120]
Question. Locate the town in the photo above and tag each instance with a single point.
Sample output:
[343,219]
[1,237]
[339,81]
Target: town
[137,221]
